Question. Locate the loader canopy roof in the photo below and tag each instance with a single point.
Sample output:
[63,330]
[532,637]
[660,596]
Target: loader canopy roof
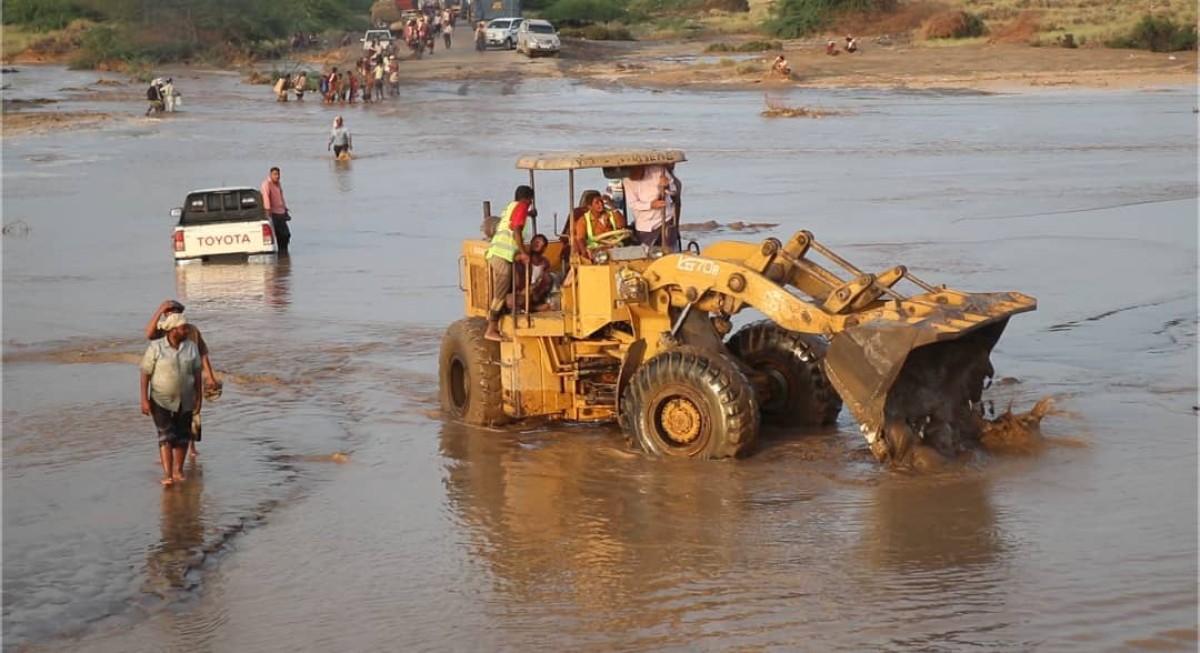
[578,160]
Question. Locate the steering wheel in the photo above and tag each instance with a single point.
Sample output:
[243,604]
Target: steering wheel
[613,237]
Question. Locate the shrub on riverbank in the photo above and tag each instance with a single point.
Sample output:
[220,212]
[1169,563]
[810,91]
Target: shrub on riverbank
[1157,34]
[792,19]
[953,25]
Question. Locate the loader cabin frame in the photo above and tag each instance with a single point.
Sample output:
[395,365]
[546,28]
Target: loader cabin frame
[640,336]
[545,359]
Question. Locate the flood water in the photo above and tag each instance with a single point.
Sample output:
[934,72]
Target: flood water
[430,535]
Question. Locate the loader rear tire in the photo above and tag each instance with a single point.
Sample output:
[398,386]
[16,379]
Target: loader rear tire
[802,394]
[469,374]
[690,403]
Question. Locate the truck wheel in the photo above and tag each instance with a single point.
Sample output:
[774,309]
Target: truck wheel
[800,392]
[690,403]
[508,44]
[469,374]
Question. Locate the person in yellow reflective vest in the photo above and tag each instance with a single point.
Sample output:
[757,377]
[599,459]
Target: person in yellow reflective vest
[600,217]
[508,245]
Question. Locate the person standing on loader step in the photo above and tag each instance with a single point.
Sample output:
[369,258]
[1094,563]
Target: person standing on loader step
[276,209]
[507,245]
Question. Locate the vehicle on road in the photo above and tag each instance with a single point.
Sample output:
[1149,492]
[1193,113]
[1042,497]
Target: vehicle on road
[502,32]
[537,37]
[641,335]
[222,223]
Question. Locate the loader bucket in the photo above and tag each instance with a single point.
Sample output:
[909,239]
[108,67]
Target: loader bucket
[919,382]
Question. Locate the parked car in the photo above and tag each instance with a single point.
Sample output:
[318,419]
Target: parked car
[381,36]
[503,32]
[536,37]
[222,222]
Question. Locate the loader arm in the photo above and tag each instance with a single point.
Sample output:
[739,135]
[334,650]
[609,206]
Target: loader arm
[908,367]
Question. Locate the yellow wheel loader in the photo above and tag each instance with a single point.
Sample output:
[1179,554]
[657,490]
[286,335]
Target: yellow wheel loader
[640,335]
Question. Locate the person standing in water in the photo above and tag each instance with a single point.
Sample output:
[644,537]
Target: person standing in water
[339,139]
[276,208]
[212,388]
[171,390]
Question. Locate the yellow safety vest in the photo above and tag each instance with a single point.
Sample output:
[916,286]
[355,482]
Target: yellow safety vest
[612,223]
[504,244]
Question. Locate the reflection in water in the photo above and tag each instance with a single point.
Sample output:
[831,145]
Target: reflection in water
[250,285]
[170,563]
[279,286]
[932,524]
[572,529]
[343,177]
[933,554]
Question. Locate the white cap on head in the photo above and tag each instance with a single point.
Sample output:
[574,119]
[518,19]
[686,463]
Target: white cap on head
[172,321]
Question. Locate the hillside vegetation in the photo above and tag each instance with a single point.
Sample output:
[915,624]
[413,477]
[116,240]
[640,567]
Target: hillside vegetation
[1158,25]
[99,32]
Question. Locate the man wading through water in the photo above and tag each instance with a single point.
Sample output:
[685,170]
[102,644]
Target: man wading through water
[507,245]
[276,208]
[171,389]
[212,388]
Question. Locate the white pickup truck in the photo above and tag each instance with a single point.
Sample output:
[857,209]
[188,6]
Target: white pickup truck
[222,222]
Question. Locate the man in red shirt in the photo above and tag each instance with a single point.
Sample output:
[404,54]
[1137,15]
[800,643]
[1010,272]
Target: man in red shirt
[276,208]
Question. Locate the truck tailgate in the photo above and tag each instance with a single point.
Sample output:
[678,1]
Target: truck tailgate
[224,238]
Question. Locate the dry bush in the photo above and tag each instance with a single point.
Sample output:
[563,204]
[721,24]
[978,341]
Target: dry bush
[907,17]
[732,6]
[955,24]
[1021,30]
[384,10]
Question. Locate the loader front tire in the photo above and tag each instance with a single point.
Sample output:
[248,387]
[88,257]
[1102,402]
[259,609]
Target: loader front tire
[690,403]
[801,394]
[469,374]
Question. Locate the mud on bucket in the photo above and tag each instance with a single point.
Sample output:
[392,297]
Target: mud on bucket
[914,384]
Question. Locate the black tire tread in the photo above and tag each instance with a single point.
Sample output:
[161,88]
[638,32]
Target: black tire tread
[481,360]
[735,429]
[820,404]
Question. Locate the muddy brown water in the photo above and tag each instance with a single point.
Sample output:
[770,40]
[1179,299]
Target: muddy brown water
[333,509]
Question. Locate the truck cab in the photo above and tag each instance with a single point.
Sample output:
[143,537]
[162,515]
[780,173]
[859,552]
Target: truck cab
[222,222]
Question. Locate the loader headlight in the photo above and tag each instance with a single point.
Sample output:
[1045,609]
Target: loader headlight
[632,288]
[600,256]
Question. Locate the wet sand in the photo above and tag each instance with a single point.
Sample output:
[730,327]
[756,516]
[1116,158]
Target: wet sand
[330,500]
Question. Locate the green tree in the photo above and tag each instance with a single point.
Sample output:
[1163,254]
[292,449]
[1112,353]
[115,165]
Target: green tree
[586,11]
[45,15]
[1158,34]
[796,18]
